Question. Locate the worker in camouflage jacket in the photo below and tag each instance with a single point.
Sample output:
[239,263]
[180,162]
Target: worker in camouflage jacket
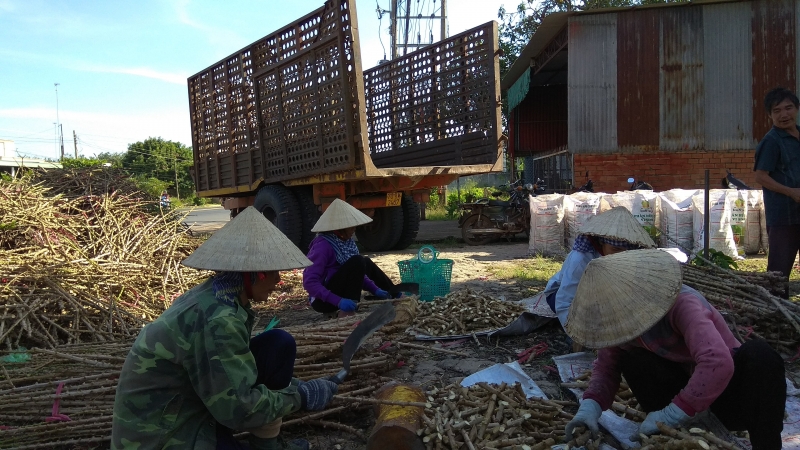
[194,375]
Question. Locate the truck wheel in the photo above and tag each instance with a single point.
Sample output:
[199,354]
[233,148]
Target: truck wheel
[278,205]
[384,230]
[309,214]
[478,221]
[411,219]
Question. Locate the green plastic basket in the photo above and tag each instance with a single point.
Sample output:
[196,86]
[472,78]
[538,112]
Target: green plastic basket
[432,274]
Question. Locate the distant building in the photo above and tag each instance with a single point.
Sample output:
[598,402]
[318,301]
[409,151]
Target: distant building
[10,162]
[656,92]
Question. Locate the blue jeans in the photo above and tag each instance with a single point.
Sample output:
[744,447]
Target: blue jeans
[274,352]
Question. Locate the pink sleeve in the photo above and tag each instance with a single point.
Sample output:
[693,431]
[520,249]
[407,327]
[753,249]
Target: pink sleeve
[605,377]
[693,319]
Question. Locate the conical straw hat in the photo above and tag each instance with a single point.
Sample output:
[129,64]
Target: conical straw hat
[618,223]
[248,243]
[621,296]
[338,216]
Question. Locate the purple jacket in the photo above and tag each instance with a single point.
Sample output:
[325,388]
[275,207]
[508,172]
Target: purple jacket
[315,276]
[692,333]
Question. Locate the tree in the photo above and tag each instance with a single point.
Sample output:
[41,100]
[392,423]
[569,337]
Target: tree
[168,161]
[517,27]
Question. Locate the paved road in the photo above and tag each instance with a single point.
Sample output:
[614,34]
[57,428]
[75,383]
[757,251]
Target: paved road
[210,219]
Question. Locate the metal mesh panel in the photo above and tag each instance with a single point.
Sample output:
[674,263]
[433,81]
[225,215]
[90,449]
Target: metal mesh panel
[437,105]
[555,170]
[291,94]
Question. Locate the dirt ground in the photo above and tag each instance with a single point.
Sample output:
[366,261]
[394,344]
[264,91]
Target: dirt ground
[475,268]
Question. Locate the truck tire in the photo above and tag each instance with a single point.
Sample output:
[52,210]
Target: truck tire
[384,230]
[279,206]
[411,218]
[309,214]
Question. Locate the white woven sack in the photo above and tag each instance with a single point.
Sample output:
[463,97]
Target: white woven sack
[676,218]
[578,208]
[752,235]
[720,235]
[738,205]
[642,204]
[547,225]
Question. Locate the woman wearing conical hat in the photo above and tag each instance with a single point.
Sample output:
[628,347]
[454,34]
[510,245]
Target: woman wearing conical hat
[194,375]
[338,273]
[607,233]
[674,349]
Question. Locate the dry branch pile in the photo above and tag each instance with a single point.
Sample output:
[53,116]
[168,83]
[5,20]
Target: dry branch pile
[88,375]
[464,312]
[749,304]
[491,417]
[73,183]
[92,268]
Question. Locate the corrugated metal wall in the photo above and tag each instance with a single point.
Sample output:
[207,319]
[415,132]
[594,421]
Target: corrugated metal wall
[681,78]
[729,80]
[592,80]
[638,43]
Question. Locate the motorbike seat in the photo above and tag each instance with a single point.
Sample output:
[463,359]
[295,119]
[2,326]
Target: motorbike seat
[498,203]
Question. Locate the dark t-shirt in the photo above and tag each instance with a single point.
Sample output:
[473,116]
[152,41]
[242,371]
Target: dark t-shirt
[779,154]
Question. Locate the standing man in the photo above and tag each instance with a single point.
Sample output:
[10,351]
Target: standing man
[777,169]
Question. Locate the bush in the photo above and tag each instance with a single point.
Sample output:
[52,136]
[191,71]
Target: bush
[152,186]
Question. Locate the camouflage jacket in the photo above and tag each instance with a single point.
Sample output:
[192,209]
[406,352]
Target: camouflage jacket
[188,370]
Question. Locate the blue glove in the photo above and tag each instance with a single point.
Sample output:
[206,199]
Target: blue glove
[316,394]
[588,415]
[382,294]
[671,416]
[347,305]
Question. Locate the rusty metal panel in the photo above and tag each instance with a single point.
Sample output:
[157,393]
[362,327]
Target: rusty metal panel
[774,54]
[592,80]
[727,56]
[437,105]
[289,100]
[681,82]
[540,121]
[637,78]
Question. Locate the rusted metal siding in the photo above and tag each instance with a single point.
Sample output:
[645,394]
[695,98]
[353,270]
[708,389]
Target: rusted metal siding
[541,121]
[638,39]
[681,81]
[592,80]
[727,56]
[774,54]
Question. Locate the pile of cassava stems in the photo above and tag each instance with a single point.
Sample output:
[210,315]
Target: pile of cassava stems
[626,406]
[65,395]
[92,268]
[464,312]
[750,303]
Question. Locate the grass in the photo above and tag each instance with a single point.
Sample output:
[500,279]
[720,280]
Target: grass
[437,213]
[537,269]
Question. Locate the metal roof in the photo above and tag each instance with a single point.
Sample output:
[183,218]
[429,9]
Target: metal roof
[554,23]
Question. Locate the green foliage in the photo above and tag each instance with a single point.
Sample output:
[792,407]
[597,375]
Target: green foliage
[718,258]
[468,195]
[80,163]
[151,185]
[162,160]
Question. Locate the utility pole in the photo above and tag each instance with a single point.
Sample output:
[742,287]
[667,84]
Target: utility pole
[400,28]
[75,140]
[175,165]
[58,121]
[61,137]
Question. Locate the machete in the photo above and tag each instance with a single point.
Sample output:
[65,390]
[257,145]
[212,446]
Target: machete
[374,321]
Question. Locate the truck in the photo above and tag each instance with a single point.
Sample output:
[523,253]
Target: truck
[291,122]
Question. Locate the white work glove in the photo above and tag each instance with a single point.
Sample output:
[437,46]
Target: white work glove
[588,414]
[671,416]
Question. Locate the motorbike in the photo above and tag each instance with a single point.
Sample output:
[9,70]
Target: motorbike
[639,185]
[588,187]
[731,182]
[486,219]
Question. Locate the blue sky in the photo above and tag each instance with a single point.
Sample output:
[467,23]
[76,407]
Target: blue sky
[122,66]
